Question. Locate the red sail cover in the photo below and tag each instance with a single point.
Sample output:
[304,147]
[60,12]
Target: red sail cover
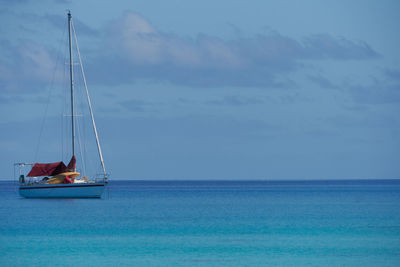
[51,169]
[47,169]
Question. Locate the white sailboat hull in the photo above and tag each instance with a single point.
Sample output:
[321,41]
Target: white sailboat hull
[83,190]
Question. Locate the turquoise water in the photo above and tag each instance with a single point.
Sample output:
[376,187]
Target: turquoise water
[210,223]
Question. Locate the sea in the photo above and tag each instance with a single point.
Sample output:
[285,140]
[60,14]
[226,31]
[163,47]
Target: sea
[207,223]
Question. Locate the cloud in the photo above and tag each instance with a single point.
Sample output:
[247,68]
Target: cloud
[19,2]
[134,105]
[27,65]
[132,49]
[378,93]
[375,90]
[31,22]
[60,22]
[32,66]
[236,101]
[393,74]
[138,50]
[14,2]
[372,121]
[322,81]
[320,46]
[383,90]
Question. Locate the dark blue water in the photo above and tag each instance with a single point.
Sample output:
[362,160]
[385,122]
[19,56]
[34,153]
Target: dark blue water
[209,223]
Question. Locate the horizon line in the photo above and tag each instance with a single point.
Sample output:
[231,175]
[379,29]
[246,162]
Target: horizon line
[240,180]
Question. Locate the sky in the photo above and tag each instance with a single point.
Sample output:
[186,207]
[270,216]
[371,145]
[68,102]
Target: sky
[209,90]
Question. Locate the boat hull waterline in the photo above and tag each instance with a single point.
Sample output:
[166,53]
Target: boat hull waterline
[89,190]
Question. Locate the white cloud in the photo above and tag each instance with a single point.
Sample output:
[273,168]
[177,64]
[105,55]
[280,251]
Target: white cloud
[143,44]
[32,66]
[37,61]
[139,50]
[134,48]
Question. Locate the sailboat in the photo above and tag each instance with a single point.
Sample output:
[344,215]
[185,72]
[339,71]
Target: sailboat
[57,180]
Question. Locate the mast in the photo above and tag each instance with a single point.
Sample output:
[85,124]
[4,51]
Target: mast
[71,75]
